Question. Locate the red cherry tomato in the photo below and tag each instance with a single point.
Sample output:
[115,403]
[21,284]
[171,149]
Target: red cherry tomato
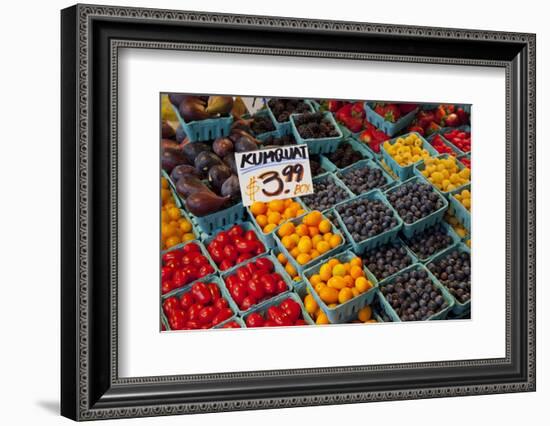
[270,323]
[225,265]
[166,273]
[231,324]
[200,261]
[216,253]
[214,291]
[248,302]
[260,248]
[245,246]
[201,293]
[193,311]
[238,293]
[221,316]
[221,303]
[269,283]
[171,256]
[244,274]
[265,264]
[256,289]
[207,314]
[243,258]
[255,320]
[231,281]
[191,248]
[186,301]
[179,278]
[193,325]
[281,286]
[235,231]
[250,236]
[230,252]
[167,286]
[278,316]
[171,304]
[177,320]
[204,271]
[292,309]
[222,238]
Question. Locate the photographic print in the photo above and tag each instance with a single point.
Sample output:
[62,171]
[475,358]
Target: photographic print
[279,212]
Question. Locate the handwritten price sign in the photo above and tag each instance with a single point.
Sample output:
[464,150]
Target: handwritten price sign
[274,173]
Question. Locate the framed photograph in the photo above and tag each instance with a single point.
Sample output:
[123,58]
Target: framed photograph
[263,212]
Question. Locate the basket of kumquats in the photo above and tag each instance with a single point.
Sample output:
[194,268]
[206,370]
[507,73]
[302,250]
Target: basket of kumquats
[341,286]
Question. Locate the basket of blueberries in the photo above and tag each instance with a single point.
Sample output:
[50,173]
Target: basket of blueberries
[416,295]
[368,221]
[418,204]
[453,269]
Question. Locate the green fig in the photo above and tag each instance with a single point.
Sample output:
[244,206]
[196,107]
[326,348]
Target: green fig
[219,105]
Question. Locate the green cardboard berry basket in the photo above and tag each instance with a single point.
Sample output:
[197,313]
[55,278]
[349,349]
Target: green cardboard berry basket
[276,301]
[388,127]
[440,315]
[300,268]
[327,176]
[420,167]
[369,243]
[205,130]
[459,308]
[448,229]
[367,163]
[210,223]
[405,172]
[285,128]
[347,311]
[213,278]
[457,209]
[318,145]
[410,229]
[277,268]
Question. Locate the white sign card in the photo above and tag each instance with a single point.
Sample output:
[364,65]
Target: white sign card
[274,173]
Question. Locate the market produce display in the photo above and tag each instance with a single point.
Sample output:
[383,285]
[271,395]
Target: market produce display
[385,236]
